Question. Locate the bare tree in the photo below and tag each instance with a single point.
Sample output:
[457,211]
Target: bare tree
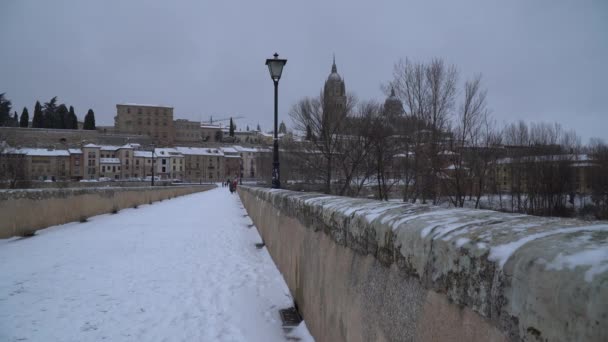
[598,177]
[326,124]
[428,92]
[354,148]
[410,86]
[467,131]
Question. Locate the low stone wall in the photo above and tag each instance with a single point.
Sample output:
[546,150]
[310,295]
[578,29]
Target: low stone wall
[73,184]
[364,270]
[28,210]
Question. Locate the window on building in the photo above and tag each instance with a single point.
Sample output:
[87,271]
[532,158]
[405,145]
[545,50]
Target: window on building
[173,167]
[164,162]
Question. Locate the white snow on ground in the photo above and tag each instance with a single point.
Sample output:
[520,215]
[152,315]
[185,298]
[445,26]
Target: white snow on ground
[180,270]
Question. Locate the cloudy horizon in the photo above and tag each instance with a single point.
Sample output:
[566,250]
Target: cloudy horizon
[541,60]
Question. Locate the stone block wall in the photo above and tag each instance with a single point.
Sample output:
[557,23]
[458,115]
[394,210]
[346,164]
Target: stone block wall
[63,138]
[363,270]
[26,210]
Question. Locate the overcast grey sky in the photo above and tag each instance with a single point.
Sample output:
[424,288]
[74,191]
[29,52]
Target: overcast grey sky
[541,60]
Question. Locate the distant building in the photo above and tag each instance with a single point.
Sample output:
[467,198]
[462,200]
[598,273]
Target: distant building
[203,164]
[154,121]
[334,96]
[187,131]
[393,107]
[211,133]
[169,163]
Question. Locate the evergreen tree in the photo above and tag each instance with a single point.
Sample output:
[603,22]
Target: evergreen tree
[247,128]
[49,113]
[38,119]
[231,129]
[282,128]
[15,120]
[308,133]
[61,117]
[25,118]
[259,129]
[89,120]
[72,119]
[5,110]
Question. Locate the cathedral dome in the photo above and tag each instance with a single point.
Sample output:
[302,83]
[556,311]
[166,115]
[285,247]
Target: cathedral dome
[393,105]
[334,76]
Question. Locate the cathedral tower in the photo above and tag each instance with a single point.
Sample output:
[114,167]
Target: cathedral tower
[334,96]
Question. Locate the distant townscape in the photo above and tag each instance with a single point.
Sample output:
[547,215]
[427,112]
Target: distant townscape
[421,145]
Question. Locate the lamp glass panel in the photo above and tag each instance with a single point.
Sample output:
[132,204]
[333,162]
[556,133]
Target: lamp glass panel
[276,68]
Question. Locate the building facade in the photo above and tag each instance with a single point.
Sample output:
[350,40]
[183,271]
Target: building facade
[187,131]
[154,121]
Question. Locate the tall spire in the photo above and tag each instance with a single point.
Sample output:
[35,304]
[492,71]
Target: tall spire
[333,66]
[392,91]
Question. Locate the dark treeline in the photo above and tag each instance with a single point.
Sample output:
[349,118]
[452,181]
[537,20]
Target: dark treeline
[50,115]
[441,146]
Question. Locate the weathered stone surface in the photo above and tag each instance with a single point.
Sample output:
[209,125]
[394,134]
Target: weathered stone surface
[531,278]
[29,210]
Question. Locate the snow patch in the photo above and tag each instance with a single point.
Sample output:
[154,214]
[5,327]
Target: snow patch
[595,259]
[502,253]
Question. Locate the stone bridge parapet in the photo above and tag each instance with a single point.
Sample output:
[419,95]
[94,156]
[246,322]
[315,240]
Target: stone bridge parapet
[364,270]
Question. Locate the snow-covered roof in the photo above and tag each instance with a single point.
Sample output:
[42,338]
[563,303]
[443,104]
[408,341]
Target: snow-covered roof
[43,152]
[109,160]
[244,149]
[91,146]
[229,150]
[200,151]
[74,151]
[167,152]
[211,126]
[130,145]
[546,158]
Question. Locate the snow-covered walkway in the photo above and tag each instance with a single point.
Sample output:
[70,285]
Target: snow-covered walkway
[186,269]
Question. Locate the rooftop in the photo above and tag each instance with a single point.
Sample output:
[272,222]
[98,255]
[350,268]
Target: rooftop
[142,105]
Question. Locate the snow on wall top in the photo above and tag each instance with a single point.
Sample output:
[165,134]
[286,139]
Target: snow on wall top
[544,272]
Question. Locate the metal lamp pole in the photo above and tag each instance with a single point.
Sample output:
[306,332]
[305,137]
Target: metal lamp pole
[275,66]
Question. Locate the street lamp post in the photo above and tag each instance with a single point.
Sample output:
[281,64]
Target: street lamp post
[275,66]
